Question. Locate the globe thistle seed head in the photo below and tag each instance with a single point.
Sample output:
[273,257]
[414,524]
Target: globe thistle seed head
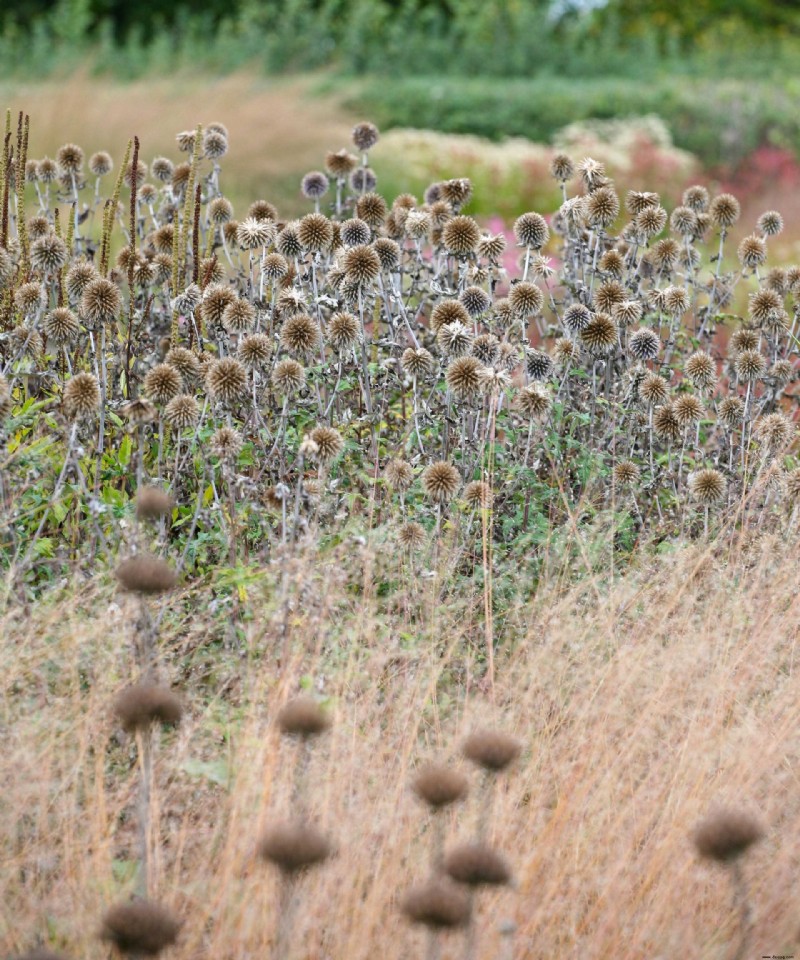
[140,706]
[441,481]
[343,331]
[684,221]
[153,503]
[226,444]
[666,425]
[252,234]
[650,221]
[665,254]
[627,312]
[69,157]
[461,236]
[329,443]
[180,177]
[491,247]
[220,211]
[417,224]
[188,300]
[531,230]
[47,170]
[182,412]
[28,342]
[447,312]
[478,495]
[263,210]
[562,168]
[644,345]
[314,232]
[701,370]
[770,223]
[101,303]
[777,280]
[239,316]
[218,127]
[30,297]
[538,364]
[398,474]
[139,928]
[454,339]
[600,335]
[463,377]
[215,144]
[476,301]
[775,431]
[49,253]
[707,486]
[61,325]
[676,300]
[752,251]
[603,207]
[696,198]
[274,267]
[750,365]
[82,396]
[294,846]
[290,303]
[301,335]
[608,295]
[216,300]
[486,347]
[688,409]
[227,380]
[141,174]
[731,412]
[145,573]
[456,192]
[636,201]
[763,304]
[411,536]
[39,227]
[793,484]
[438,904]
[288,377]
[564,351]
[355,232]
[361,265]
[440,786]
[365,135]
[363,181]
[493,380]
[255,351]
[724,210]
[162,383]
[491,749]
[626,474]
[526,299]
[592,173]
[440,213]
[340,164]
[476,865]
[303,717]
[314,185]
[185,362]
[577,318]
[417,361]
[388,253]
[162,169]
[743,339]
[185,140]
[612,263]
[140,411]
[781,373]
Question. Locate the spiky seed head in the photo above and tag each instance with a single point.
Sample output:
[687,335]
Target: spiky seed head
[731,411]
[182,412]
[411,536]
[600,336]
[82,396]
[162,169]
[526,299]
[361,265]
[371,207]
[314,232]
[457,192]
[564,351]
[752,251]
[355,232]
[216,300]
[684,221]
[492,246]
[770,223]
[478,495]
[343,331]
[329,443]
[726,834]
[365,135]
[294,846]
[340,164]
[188,300]
[603,207]
[30,297]
[781,373]
[314,185]
[626,473]
[534,401]
[61,325]
[301,335]
[153,503]
[388,253]
[47,170]
[141,174]
[531,230]
[417,361]
[665,254]
[688,409]
[486,347]
[263,210]
[290,303]
[215,144]
[140,928]
[226,444]
[220,211]
[143,704]
[101,302]
[562,167]
[696,198]
[653,389]
[398,474]
[180,177]
[185,362]
[627,312]
[239,316]
[162,383]
[303,717]
[145,573]
[140,411]
[764,304]
[274,267]
[447,312]
[701,370]
[775,430]
[743,339]
[777,280]
[227,380]
[592,173]
[724,210]
[612,263]
[39,227]
[666,425]
[636,201]
[539,364]
[461,235]
[577,318]
[750,365]
[49,253]
[288,376]
[491,749]
[70,158]
[252,234]
[676,300]
[608,295]
[476,301]
[476,865]
[255,351]
[650,221]
[438,904]
[441,481]
[439,785]
[644,345]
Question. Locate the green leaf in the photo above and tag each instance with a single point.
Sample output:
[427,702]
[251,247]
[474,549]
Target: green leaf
[44,547]
[125,450]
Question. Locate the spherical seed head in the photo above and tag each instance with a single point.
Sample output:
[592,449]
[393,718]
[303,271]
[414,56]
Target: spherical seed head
[39,227]
[577,318]
[455,339]
[82,396]
[777,280]
[70,158]
[252,234]
[141,705]
[411,536]
[447,312]
[461,235]
[152,503]
[388,252]
[775,430]
[365,135]
[781,372]
[182,412]
[162,169]
[770,223]
[562,168]
[726,834]
[441,481]
[145,573]
[371,207]
[531,230]
[612,263]
[29,297]
[141,174]
[140,928]
[666,425]
[288,376]
[526,299]
[684,221]
[463,377]
[439,904]
[220,211]
[665,254]
[340,164]
[478,495]
[140,411]
[226,444]
[539,364]
[600,335]
[644,345]
[486,347]
[564,351]
[534,401]
[696,198]
[398,474]
[188,300]
[215,144]
[764,304]
[439,786]
[491,749]
[608,295]
[314,185]
[603,207]
[185,362]
[752,251]
[329,443]
[227,380]
[417,361]
[343,331]
[701,370]
[47,170]
[49,253]
[294,846]
[314,232]
[162,383]
[254,351]
[636,201]
[456,192]
[627,312]
[626,473]
[793,484]
[676,300]
[731,411]
[303,717]
[744,339]
[301,335]
[361,265]
[61,325]
[216,299]
[688,409]
[239,316]
[476,865]
[724,210]
[101,302]
[750,365]
[263,210]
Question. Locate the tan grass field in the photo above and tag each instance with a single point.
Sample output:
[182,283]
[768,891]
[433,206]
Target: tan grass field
[641,706]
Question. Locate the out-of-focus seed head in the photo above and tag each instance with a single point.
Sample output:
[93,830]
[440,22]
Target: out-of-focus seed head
[314,185]
[438,904]
[365,135]
[215,144]
[439,786]
[61,325]
[70,158]
[411,536]
[752,251]
[684,221]
[562,168]
[478,495]
[303,717]
[775,430]
[626,473]
[294,846]
[226,444]
[724,210]
[141,174]
[770,223]
[329,443]
[441,481]
[491,749]
[153,503]
[398,474]
[145,573]
[340,164]
[139,706]
[731,411]
[363,181]
[726,834]
[140,928]
[477,865]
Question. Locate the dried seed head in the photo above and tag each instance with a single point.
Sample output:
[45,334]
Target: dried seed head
[82,396]
[47,170]
[141,174]
[251,234]
[608,295]
[612,263]
[447,312]
[398,474]
[775,430]
[361,265]
[439,904]
[526,299]
[314,232]
[684,221]
[343,331]
[303,717]
[140,411]
[562,168]
[226,444]
[666,425]
[457,192]
[531,230]
[185,362]
[255,351]
[216,299]
[329,443]
[439,786]
[534,401]
[365,135]
[49,253]
[301,335]
[182,412]
[476,301]
[665,255]
[676,300]
[463,376]
[627,312]
[577,318]
[141,705]
[140,928]
[101,302]
[220,211]
[288,376]
[707,486]
[388,253]
[696,198]
[263,210]
[371,207]
[239,316]
[417,361]
[162,383]
[636,201]
[478,495]
[626,473]
[152,503]
[340,164]
[688,409]
[750,365]
[600,335]
[441,481]
[752,251]
[294,846]
[476,865]
[61,325]
[644,345]
[70,158]
[162,169]
[314,185]
[701,371]
[770,223]
[227,380]
[145,573]
[603,207]
[215,144]
[461,235]
[30,297]
[455,339]
[726,834]
[731,411]
[355,232]
[539,364]
[412,535]
[486,347]
[724,210]
[781,373]
[765,303]
[491,749]
[650,221]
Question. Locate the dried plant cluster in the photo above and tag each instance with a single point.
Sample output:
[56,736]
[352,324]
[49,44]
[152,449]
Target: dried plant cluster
[375,357]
